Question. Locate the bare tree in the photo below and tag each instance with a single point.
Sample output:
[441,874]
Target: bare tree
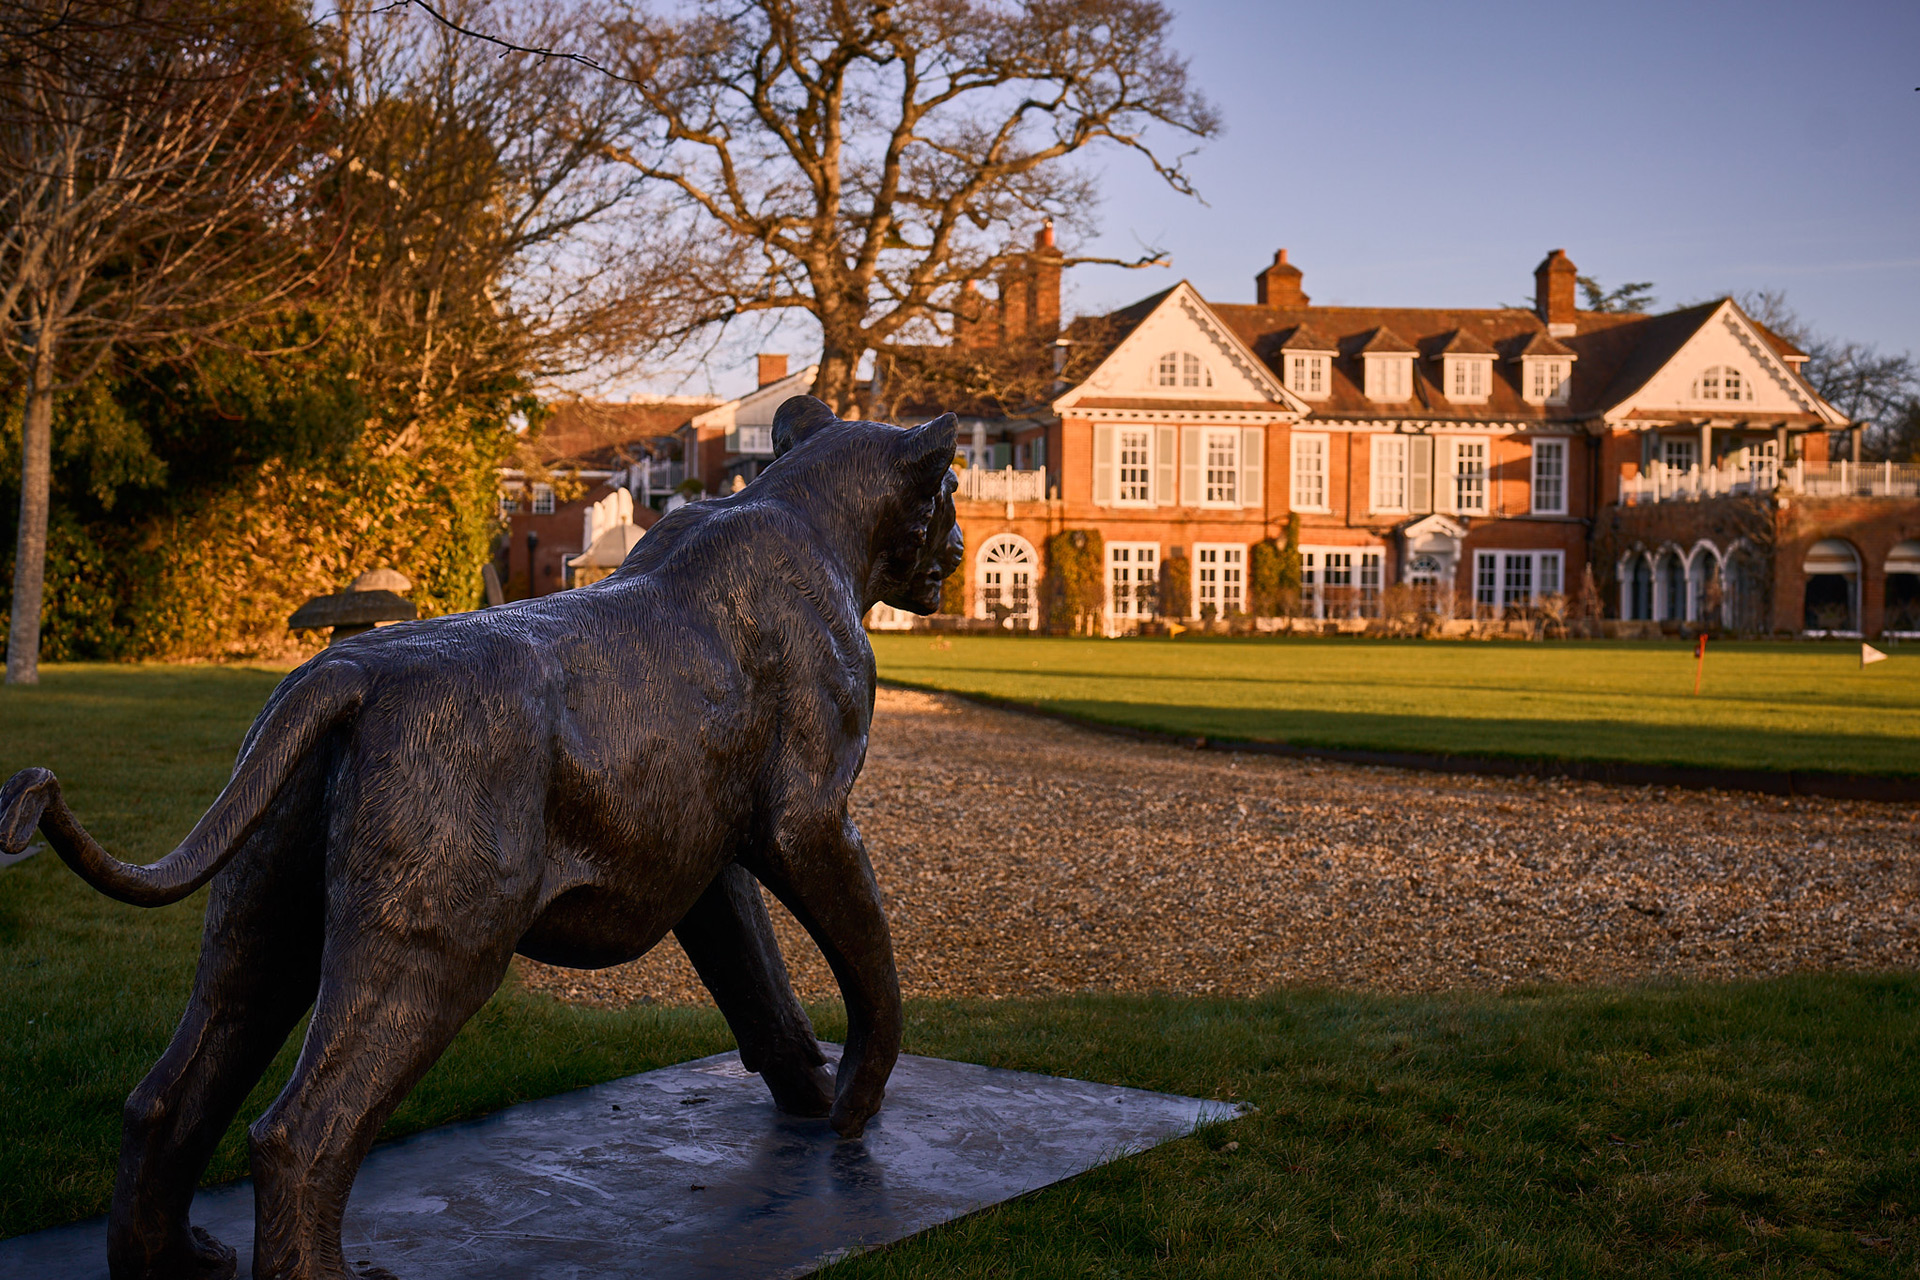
[143,152]
[867,163]
[1878,389]
[486,218]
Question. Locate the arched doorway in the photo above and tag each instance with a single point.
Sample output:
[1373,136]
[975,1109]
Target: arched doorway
[1006,571]
[1744,607]
[1833,587]
[1704,589]
[1903,589]
[1672,578]
[1639,584]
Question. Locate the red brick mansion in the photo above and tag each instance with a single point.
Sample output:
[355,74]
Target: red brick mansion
[1672,469]
[1659,471]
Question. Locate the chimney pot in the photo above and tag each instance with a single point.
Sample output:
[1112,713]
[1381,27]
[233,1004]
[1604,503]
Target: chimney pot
[772,368]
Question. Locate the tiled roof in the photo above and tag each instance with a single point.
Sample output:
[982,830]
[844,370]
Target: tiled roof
[1304,337]
[1382,341]
[1456,342]
[599,433]
[1614,352]
[1537,343]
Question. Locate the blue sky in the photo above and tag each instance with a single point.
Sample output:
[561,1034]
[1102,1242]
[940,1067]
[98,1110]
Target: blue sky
[1428,155]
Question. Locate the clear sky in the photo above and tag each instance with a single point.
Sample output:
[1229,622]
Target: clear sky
[1420,154]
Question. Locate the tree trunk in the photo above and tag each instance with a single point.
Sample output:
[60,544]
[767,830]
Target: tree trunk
[834,383]
[30,551]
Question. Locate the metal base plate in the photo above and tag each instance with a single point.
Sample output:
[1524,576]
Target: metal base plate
[689,1172]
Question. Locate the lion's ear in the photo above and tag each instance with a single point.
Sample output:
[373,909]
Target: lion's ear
[798,418]
[927,450]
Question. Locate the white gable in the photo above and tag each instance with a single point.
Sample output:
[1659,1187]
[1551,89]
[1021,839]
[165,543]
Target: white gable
[1182,352]
[1695,382]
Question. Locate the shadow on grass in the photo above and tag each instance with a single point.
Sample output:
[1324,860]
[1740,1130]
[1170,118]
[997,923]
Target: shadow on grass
[1600,741]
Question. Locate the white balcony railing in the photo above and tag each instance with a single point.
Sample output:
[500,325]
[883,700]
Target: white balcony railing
[1006,485]
[1815,479]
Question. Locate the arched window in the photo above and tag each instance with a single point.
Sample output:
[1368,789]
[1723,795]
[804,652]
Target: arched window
[1183,369]
[1832,567]
[1007,570]
[1903,590]
[1722,382]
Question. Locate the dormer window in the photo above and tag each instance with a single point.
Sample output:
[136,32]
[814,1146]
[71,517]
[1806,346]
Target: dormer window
[1389,378]
[1721,383]
[1306,375]
[1183,369]
[1469,379]
[1546,380]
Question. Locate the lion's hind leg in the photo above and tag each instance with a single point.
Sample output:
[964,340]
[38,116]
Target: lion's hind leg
[259,965]
[399,979]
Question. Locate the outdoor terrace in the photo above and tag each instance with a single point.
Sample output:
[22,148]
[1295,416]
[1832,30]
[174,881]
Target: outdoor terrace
[1662,483]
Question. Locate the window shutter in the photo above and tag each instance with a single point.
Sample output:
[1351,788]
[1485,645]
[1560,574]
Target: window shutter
[1103,466]
[1443,475]
[1190,466]
[1253,442]
[1420,474]
[1166,452]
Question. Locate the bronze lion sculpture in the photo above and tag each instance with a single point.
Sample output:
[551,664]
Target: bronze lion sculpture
[568,778]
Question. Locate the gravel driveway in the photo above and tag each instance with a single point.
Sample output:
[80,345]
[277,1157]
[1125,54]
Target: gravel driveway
[1022,856]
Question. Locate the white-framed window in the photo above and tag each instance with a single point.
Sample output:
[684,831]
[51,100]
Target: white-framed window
[1469,472]
[1222,468]
[753,439]
[543,499]
[1722,382]
[1390,473]
[1469,378]
[1134,454]
[1549,486]
[1389,378]
[1546,380]
[1307,375]
[1309,471]
[1341,582]
[1005,569]
[1504,580]
[509,502]
[1763,463]
[1679,454]
[1219,579]
[1182,369]
[1133,579]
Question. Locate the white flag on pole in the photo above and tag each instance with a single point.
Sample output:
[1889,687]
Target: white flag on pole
[1869,654]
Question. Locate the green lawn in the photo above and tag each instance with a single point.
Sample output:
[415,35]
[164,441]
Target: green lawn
[1761,706]
[1690,1130]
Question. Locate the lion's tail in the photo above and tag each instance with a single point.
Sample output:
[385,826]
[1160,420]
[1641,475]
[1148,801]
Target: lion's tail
[295,719]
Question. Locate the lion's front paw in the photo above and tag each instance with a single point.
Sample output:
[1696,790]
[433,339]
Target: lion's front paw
[850,1115]
[800,1090]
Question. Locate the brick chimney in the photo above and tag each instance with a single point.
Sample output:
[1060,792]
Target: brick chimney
[1279,284]
[1554,282]
[1030,290]
[772,368]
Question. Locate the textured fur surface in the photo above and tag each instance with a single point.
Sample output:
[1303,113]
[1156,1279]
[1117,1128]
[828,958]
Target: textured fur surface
[569,778]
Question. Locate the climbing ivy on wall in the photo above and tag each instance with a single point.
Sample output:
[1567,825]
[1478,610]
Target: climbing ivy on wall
[1273,573]
[1076,592]
[1176,585]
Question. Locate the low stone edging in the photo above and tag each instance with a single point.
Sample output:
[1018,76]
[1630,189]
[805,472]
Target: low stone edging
[1774,782]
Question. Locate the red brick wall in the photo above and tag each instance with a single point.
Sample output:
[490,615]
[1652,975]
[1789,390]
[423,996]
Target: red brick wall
[1872,525]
